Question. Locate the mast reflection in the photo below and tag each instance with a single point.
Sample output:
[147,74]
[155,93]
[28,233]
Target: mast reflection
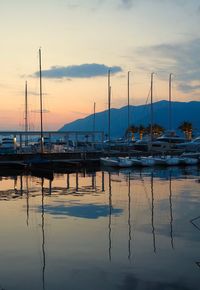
[43,236]
[21,185]
[27,201]
[129,217]
[110,217]
[94,181]
[152,213]
[171,209]
[68,184]
[77,186]
[50,186]
[102,182]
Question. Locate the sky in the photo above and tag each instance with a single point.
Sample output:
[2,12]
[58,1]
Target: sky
[80,41]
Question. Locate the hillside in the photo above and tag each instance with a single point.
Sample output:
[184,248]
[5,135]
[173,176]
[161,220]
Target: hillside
[181,111]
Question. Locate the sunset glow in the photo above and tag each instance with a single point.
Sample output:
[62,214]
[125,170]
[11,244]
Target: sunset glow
[80,40]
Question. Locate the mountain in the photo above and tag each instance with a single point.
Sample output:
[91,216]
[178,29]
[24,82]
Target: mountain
[181,111]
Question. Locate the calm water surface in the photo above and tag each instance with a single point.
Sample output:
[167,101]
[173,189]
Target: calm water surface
[119,230]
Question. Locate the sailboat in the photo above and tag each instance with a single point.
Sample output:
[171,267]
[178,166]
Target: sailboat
[113,161]
[166,141]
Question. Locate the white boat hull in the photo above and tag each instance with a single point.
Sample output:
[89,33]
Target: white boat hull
[116,162]
[167,161]
[147,161]
[109,161]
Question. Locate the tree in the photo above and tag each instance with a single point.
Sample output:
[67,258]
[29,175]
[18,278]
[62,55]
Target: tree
[141,130]
[187,128]
[131,130]
[157,130]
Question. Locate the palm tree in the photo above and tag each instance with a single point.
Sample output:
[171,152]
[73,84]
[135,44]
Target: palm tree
[132,129]
[187,128]
[141,130]
[157,130]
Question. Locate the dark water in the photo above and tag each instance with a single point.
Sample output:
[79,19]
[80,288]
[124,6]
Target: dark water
[119,230]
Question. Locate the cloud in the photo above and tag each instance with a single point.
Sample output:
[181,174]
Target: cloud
[188,88]
[182,59]
[87,211]
[127,3]
[78,71]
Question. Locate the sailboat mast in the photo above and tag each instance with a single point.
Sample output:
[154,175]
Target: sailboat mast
[170,101]
[26,114]
[94,117]
[128,91]
[41,105]
[151,128]
[109,101]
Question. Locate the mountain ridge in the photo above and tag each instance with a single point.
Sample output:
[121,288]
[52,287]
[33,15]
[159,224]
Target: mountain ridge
[139,115]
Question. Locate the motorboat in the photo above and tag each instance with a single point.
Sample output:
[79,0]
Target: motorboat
[189,161]
[136,161]
[116,162]
[191,146]
[167,160]
[147,161]
[168,141]
[109,161]
[124,162]
[189,158]
[142,145]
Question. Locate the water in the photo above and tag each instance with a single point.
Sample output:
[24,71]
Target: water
[116,230]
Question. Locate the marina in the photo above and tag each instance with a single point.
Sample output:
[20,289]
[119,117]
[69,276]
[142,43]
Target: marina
[100,145]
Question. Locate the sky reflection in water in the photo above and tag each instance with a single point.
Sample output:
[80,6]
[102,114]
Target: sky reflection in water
[108,230]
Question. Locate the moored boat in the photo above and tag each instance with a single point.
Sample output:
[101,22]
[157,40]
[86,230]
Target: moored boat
[108,161]
[147,161]
[136,161]
[167,160]
[124,162]
[188,160]
[116,162]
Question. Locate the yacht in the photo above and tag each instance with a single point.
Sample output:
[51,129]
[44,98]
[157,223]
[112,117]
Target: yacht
[191,146]
[167,142]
